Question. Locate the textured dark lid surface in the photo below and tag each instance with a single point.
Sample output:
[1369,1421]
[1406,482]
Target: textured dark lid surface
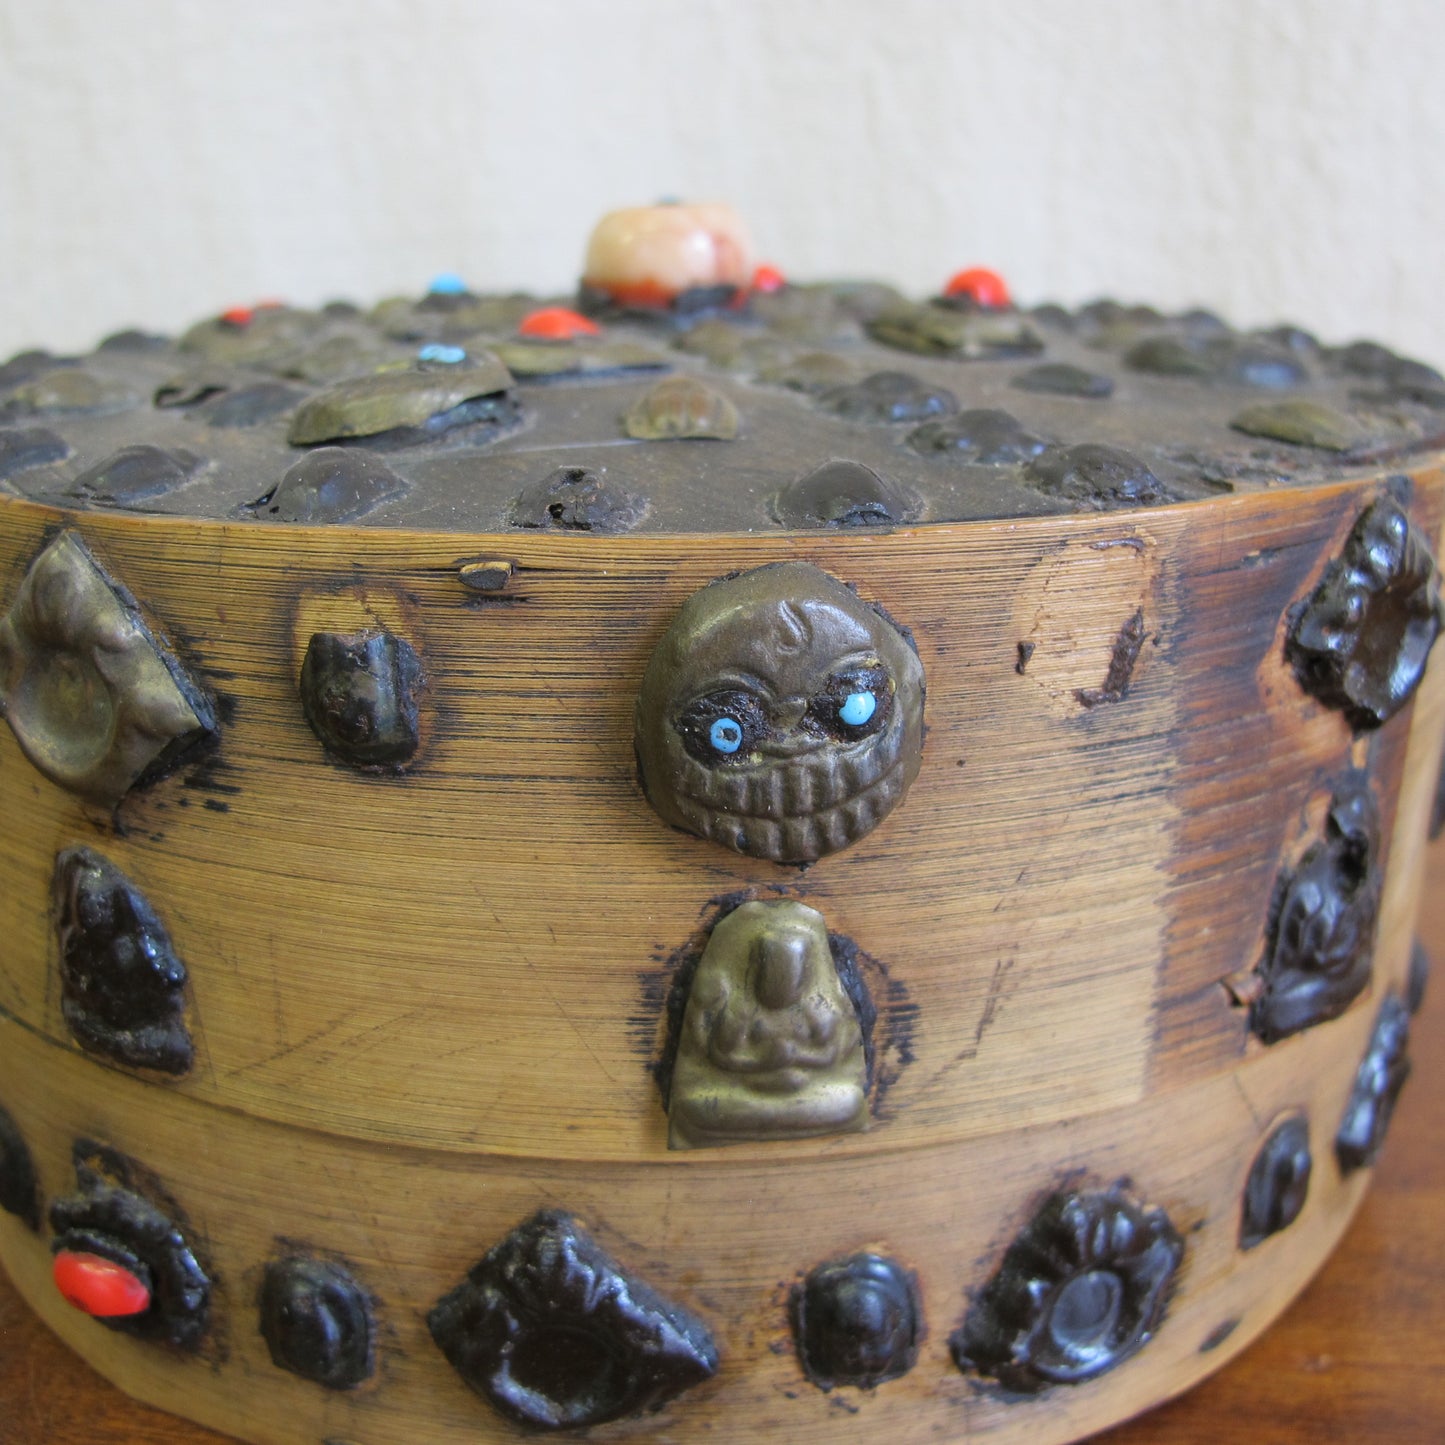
[436,414]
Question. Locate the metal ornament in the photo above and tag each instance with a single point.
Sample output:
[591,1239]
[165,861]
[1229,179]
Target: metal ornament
[93,697]
[772,1046]
[780,715]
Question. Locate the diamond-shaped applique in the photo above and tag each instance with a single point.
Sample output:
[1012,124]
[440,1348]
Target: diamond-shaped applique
[92,696]
[552,1333]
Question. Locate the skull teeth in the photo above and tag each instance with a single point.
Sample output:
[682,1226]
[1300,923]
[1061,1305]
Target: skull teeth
[805,786]
[798,837]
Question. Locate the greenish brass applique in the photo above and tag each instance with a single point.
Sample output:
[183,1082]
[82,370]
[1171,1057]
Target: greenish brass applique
[679,408]
[771,1044]
[92,696]
[781,715]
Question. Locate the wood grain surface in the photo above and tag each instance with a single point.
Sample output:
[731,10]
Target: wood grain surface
[1090,831]
[1359,1358]
[1164,831]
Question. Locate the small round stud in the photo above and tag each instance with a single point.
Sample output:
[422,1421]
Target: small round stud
[983,287]
[556,323]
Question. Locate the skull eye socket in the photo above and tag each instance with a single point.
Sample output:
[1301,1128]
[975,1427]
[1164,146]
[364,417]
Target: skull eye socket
[854,704]
[722,727]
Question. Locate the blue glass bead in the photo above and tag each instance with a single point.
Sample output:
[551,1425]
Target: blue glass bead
[435,351]
[447,283]
[726,735]
[857,708]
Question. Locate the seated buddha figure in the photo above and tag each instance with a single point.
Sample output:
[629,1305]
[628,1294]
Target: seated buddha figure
[771,1045]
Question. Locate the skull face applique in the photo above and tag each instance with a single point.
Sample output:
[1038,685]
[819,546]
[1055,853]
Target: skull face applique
[780,715]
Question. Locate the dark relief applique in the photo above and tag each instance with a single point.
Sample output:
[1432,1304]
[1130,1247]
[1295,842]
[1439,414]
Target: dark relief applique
[1095,478]
[123,988]
[19,1187]
[552,1333]
[780,715]
[1378,1081]
[1278,1183]
[316,1321]
[114,1220]
[578,499]
[1079,1291]
[1361,642]
[1321,942]
[360,694]
[330,484]
[889,396]
[844,494]
[857,1321]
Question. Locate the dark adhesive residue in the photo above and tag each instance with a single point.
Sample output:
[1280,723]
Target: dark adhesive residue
[1127,647]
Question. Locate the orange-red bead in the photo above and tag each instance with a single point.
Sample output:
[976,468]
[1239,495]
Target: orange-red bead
[238,316]
[100,1287]
[768,279]
[986,287]
[556,323]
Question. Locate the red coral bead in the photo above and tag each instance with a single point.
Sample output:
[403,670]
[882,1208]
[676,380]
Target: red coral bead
[986,287]
[557,323]
[643,295]
[768,279]
[237,316]
[99,1286]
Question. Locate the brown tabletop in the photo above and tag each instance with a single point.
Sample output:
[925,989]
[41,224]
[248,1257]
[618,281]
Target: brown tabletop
[1359,1357]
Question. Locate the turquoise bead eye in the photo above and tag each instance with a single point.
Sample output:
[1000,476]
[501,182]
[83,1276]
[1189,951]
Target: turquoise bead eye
[857,708]
[447,355]
[726,735]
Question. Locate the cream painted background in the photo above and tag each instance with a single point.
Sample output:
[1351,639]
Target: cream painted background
[160,159]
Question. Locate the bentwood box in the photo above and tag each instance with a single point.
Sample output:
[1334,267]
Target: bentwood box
[712,859]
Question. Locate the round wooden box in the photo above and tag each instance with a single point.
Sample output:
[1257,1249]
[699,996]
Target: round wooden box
[659,884]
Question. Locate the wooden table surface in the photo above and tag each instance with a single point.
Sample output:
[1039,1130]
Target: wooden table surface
[1359,1358]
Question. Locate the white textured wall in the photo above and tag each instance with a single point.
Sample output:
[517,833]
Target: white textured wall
[160,159]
